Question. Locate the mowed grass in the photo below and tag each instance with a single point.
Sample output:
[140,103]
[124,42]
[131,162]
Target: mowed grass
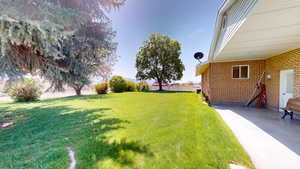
[118,131]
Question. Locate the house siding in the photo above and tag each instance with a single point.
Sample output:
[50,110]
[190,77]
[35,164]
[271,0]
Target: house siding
[288,60]
[236,15]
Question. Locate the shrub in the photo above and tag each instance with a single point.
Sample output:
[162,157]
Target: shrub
[25,90]
[101,88]
[117,84]
[142,86]
[131,86]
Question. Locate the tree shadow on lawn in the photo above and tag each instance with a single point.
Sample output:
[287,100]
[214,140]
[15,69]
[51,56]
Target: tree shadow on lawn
[122,152]
[41,138]
[91,97]
[88,98]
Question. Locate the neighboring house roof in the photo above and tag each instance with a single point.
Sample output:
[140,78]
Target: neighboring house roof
[255,30]
[163,84]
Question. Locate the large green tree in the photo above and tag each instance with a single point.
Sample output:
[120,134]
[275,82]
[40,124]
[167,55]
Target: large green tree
[159,59]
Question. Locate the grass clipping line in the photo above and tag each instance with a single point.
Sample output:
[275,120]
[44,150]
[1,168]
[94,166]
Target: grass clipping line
[72,158]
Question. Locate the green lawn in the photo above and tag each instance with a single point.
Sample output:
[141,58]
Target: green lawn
[127,130]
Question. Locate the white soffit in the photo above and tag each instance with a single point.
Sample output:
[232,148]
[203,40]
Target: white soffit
[272,27]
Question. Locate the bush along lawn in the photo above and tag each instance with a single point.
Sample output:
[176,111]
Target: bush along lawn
[117,131]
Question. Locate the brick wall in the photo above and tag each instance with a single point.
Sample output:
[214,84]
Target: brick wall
[225,89]
[218,84]
[289,60]
[205,81]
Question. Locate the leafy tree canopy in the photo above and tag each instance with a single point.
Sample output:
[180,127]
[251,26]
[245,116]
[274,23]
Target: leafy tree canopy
[159,59]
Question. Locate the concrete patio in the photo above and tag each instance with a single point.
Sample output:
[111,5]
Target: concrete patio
[271,142]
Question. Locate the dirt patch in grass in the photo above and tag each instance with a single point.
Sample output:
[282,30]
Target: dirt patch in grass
[8,119]
[6,124]
[235,165]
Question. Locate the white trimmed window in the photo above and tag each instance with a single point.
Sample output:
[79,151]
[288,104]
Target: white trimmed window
[224,21]
[240,72]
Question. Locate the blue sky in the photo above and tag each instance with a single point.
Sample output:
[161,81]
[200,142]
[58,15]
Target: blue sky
[191,22]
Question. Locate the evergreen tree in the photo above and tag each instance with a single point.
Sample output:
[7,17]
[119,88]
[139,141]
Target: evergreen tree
[66,14]
[86,53]
[65,41]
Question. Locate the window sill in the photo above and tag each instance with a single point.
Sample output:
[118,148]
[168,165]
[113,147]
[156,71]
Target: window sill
[240,78]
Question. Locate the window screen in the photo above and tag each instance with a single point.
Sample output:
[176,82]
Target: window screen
[236,72]
[240,72]
[224,21]
[244,72]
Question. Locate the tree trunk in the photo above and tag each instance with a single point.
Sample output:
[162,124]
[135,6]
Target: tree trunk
[49,88]
[160,85]
[78,90]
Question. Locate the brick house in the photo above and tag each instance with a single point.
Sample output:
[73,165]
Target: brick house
[253,40]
